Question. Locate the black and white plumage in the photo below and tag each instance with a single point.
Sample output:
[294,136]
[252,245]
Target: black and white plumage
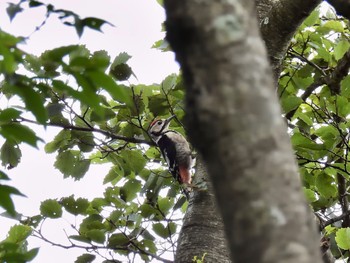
[175,150]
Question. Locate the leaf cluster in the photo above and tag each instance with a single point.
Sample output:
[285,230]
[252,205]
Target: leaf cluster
[102,119]
[314,94]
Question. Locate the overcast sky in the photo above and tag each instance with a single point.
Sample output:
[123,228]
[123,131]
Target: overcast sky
[137,27]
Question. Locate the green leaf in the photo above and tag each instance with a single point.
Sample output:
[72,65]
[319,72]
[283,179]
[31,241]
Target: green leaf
[75,207]
[33,3]
[326,185]
[33,101]
[19,133]
[334,25]
[312,18]
[134,159]
[169,83]
[130,190]
[18,233]
[117,240]
[96,235]
[341,48]
[121,72]
[13,9]
[104,81]
[310,195]
[114,175]
[5,199]
[8,115]
[58,53]
[10,154]
[84,140]
[80,239]
[345,86]
[51,208]
[94,23]
[122,58]
[342,238]
[3,176]
[165,204]
[300,141]
[160,230]
[65,163]
[106,115]
[85,258]
[290,103]
[60,141]
[71,163]
[80,168]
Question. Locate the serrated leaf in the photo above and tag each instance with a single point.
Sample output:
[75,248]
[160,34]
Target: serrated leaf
[130,190]
[80,169]
[19,133]
[121,58]
[96,235]
[10,154]
[73,206]
[341,48]
[18,233]
[85,258]
[121,72]
[169,83]
[114,175]
[8,115]
[51,208]
[65,163]
[160,230]
[33,102]
[58,53]
[117,240]
[84,140]
[5,198]
[104,81]
[290,103]
[134,160]
[326,185]
[342,238]
[165,204]
[60,140]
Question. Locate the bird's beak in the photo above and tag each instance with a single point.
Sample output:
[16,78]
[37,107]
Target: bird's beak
[167,121]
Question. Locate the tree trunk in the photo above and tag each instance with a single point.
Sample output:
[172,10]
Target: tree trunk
[202,232]
[235,122]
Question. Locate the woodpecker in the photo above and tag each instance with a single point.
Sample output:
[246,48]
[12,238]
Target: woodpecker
[175,150]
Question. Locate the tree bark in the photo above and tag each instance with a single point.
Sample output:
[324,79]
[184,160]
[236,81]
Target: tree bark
[203,229]
[278,21]
[235,122]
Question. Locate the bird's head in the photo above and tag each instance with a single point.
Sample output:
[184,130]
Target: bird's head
[158,127]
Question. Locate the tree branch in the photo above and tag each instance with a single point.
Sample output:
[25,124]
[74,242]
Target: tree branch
[333,80]
[92,129]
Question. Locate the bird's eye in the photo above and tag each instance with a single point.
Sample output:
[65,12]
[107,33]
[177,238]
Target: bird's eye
[159,122]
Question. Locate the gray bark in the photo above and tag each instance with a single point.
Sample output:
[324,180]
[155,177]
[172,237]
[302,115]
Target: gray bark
[203,229]
[235,122]
[278,21]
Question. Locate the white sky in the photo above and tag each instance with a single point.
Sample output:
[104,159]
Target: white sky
[137,27]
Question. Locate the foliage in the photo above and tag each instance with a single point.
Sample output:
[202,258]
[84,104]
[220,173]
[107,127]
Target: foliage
[314,93]
[104,119]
